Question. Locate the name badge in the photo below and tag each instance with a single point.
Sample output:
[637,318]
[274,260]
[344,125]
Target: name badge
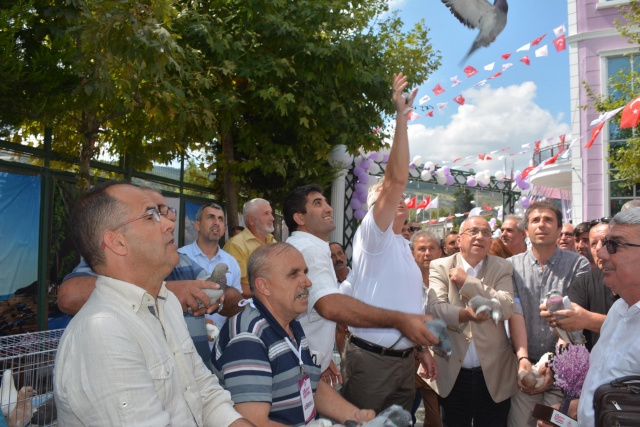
[306,396]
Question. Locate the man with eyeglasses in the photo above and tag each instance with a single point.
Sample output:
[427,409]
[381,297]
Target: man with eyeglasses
[617,353]
[536,272]
[567,239]
[126,358]
[207,253]
[186,281]
[590,298]
[477,381]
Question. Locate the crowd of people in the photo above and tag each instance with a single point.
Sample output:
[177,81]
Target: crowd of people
[139,352]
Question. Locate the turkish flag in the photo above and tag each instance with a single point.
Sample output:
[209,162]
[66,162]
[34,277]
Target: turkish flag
[459,99]
[481,156]
[560,43]
[594,134]
[456,159]
[438,89]
[631,114]
[553,159]
[525,60]
[526,172]
[537,149]
[424,203]
[506,56]
[470,71]
[498,74]
[430,113]
[411,204]
[487,207]
[538,40]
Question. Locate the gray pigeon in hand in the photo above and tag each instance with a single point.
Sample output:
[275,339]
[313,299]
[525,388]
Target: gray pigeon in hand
[489,19]
[438,328]
[219,276]
[491,306]
[393,416]
[554,302]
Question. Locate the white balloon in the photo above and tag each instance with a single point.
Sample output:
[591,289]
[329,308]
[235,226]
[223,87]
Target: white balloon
[440,172]
[414,173]
[339,157]
[374,169]
[425,175]
[417,160]
[430,166]
[500,175]
[442,180]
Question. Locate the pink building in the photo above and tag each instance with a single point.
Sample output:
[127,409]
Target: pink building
[597,52]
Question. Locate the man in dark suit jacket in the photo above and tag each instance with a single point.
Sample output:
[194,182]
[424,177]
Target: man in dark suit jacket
[477,381]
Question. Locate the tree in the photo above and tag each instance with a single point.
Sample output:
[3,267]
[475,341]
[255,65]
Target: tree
[463,198]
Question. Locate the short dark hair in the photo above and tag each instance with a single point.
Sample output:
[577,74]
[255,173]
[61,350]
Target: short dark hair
[336,243]
[583,227]
[208,205]
[543,204]
[95,213]
[296,202]
[260,261]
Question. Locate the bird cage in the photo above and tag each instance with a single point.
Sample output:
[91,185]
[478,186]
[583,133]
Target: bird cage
[26,364]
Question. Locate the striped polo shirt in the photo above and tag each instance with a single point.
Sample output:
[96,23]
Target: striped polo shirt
[255,364]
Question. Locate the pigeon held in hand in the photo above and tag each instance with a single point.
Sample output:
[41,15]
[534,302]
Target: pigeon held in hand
[490,306]
[439,329]
[554,302]
[393,416]
[219,276]
[489,19]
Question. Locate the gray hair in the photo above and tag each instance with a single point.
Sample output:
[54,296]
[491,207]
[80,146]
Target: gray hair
[374,193]
[630,204]
[250,207]
[628,217]
[519,222]
[423,233]
[208,205]
[261,260]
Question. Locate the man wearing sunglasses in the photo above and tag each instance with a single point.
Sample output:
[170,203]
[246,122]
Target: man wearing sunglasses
[127,358]
[536,272]
[617,353]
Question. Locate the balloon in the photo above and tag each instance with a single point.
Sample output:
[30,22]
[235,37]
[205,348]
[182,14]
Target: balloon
[360,188]
[425,175]
[481,184]
[357,171]
[492,222]
[374,169]
[440,172]
[430,166]
[450,180]
[446,170]
[358,160]
[374,156]
[442,180]
[471,181]
[363,198]
[363,178]
[412,165]
[385,158]
[365,165]
[359,214]
[414,173]
[417,160]
[355,203]
[339,157]
[500,175]
[525,202]
[524,185]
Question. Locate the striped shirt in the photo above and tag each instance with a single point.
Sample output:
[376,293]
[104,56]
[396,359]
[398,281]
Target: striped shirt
[254,363]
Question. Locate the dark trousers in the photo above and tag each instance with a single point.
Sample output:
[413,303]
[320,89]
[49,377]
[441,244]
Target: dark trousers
[470,400]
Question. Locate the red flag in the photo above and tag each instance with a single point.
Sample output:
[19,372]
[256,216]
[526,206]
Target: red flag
[630,114]
[481,156]
[487,208]
[430,113]
[537,149]
[424,203]
[505,148]
[456,159]
[553,159]
[561,144]
[438,89]
[459,99]
[470,71]
[594,134]
[411,204]
[526,171]
[538,40]
[498,74]
[506,56]
[560,43]
[376,130]
[433,221]
[525,60]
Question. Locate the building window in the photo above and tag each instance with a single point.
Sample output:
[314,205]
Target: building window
[619,192]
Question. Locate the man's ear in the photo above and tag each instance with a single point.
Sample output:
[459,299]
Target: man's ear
[298,218]
[196,225]
[116,242]
[262,286]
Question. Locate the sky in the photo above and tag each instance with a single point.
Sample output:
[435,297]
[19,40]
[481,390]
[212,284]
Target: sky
[524,105]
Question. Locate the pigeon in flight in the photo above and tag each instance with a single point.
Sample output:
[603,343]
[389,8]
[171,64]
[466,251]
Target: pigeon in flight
[489,19]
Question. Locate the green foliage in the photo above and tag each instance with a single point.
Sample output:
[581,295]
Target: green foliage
[462,203]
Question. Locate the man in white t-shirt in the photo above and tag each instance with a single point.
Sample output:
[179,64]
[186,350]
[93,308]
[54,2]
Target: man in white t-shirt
[380,364]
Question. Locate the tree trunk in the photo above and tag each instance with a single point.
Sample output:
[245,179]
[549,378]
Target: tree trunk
[229,184]
[89,131]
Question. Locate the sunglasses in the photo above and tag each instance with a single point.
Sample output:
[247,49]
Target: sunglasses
[414,228]
[603,220]
[612,245]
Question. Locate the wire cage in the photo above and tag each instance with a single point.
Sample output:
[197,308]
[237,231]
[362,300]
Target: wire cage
[26,364]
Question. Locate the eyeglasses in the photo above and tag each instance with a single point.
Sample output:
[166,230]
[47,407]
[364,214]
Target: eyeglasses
[474,232]
[414,228]
[164,210]
[567,234]
[603,220]
[612,245]
[151,212]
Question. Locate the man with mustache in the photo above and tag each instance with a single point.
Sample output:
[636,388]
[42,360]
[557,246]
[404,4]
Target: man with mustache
[535,273]
[126,358]
[512,234]
[567,239]
[258,218]
[262,354]
[206,251]
[339,259]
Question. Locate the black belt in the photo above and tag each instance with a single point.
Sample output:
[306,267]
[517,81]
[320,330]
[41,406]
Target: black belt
[474,370]
[382,351]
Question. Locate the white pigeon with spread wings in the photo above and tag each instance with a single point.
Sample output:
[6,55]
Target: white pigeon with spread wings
[489,18]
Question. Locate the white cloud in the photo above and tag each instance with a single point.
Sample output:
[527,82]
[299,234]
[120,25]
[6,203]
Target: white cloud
[490,119]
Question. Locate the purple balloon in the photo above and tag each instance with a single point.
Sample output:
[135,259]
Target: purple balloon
[471,181]
[360,188]
[525,202]
[366,164]
[355,203]
[412,165]
[359,214]
[363,198]
[446,170]
[524,185]
[363,178]
[374,156]
[357,171]
[481,184]
[450,180]
[385,158]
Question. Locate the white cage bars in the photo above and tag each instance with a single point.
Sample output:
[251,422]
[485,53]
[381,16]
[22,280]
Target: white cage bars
[26,364]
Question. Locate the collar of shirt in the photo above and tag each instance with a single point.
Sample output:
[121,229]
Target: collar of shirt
[198,252]
[295,326]
[132,295]
[553,259]
[471,271]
